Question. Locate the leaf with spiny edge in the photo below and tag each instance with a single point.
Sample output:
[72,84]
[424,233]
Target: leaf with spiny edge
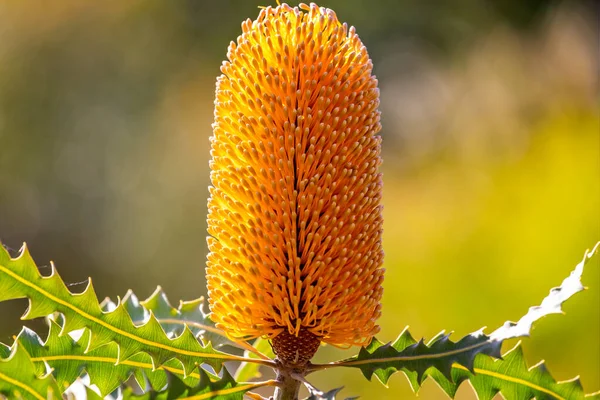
[173,320]
[225,388]
[91,395]
[417,359]
[511,377]
[80,386]
[68,360]
[190,313]
[19,277]
[4,350]
[19,379]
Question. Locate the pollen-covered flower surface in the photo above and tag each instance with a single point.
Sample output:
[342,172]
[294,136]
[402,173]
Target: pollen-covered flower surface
[294,215]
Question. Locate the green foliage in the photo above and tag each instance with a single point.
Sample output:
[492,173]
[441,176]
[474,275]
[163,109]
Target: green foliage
[19,379]
[438,358]
[69,359]
[224,388]
[488,376]
[173,320]
[512,378]
[111,346]
[415,359]
[20,278]
[167,349]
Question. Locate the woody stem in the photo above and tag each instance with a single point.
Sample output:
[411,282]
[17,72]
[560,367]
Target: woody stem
[288,387]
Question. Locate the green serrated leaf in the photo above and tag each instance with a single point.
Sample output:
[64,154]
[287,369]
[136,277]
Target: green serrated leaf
[91,395]
[4,350]
[403,341]
[20,380]
[511,377]
[68,360]
[415,358]
[20,278]
[441,357]
[174,320]
[225,388]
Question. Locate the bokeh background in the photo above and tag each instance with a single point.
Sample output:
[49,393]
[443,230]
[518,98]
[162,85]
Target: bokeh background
[491,158]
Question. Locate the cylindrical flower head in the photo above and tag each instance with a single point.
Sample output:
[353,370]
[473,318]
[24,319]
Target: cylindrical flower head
[294,215]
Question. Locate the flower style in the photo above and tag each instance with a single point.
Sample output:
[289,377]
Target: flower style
[294,215]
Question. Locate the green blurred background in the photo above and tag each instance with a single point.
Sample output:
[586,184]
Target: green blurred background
[491,158]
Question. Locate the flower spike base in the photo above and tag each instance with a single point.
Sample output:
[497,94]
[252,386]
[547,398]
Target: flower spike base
[295,351]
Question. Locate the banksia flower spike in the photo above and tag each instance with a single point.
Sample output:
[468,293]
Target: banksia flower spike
[294,216]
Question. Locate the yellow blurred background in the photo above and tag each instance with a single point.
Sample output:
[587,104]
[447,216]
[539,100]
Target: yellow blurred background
[491,159]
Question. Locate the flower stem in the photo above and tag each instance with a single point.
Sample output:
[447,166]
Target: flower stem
[288,387]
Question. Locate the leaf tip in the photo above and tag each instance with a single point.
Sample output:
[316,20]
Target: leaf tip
[23,250]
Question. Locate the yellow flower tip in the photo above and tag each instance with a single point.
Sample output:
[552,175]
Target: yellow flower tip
[294,214]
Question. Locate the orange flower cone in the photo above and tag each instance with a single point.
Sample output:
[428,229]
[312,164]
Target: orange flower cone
[294,215]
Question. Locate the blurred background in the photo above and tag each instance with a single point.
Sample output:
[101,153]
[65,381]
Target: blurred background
[491,158]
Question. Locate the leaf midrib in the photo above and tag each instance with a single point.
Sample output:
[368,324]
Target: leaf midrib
[22,385]
[114,361]
[409,358]
[509,378]
[139,364]
[117,330]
